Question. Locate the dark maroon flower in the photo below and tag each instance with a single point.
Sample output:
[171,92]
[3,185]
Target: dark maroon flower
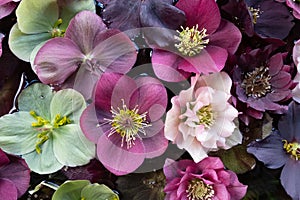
[262,81]
[266,17]
[282,148]
[14,176]
[202,44]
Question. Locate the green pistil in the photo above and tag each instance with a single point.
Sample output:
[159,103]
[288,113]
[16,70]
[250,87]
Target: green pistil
[205,116]
[45,128]
[292,148]
[191,41]
[56,31]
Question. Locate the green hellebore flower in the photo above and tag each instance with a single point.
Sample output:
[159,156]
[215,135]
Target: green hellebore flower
[84,190]
[46,130]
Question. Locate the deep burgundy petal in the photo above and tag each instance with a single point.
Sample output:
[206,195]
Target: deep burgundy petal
[205,13]
[269,148]
[8,189]
[3,158]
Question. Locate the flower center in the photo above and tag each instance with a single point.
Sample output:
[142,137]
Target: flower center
[45,127]
[191,41]
[198,190]
[56,32]
[256,83]
[292,148]
[205,116]
[128,124]
[93,66]
[255,12]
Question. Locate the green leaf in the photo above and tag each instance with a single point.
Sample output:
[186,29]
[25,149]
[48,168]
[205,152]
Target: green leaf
[98,192]
[70,190]
[67,102]
[37,16]
[36,97]
[22,44]
[71,147]
[45,162]
[237,159]
[69,8]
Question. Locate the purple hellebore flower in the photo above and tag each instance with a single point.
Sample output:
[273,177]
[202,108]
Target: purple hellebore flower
[262,81]
[282,148]
[125,121]
[14,176]
[205,180]
[87,50]
[202,46]
[7,6]
[266,17]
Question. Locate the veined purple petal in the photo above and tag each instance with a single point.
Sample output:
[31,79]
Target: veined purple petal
[205,13]
[57,60]
[165,66]
[117,159]
[275,64]
[269,148]
[149,100]
[6,7]
[227,36]
[111,89]
[8,189]
[155,145]
[210,59]
[83,29]
[290,178]
[114,51]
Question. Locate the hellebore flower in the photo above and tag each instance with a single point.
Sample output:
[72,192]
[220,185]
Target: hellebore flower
[7,6]
[46,131]
[87,50]
[201,119]
[125,121]
[84,190]
[205,180]
[282,148]
[14,176]
[39,21]
[262,81]
[202,46]
[266,17]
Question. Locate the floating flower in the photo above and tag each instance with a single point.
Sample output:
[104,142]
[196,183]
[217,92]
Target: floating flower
[205,180]
[281,148]
[201,118]
[125,121]
[87,50]
[262,81]
[202,44]
[14,176]
[84,190]
[39,21]
[266,18]
[7,6]
[46,131]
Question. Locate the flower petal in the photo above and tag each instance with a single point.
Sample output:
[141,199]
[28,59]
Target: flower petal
[8,189]
[70,146]
[290,178]
[56,60]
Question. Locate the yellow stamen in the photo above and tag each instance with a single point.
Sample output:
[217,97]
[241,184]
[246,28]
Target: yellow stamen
[205,116]
[292,148]
[56,31]
[198,190]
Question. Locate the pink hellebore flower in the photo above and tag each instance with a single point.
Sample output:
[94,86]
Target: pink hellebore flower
[125,121]
[201,119]
[7,6]
[14,176]
[87,50]
[207,180]
[202,46]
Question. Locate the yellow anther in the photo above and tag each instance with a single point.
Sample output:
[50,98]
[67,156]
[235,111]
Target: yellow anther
[292,148]
[42,138]
[60,121]
[40,121]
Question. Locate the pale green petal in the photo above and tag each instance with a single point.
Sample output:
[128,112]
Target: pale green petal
[45,162]
[37,16]
[22,44]
[17,136]
[70,190]
[67,102]
[36,97]
[98,192]
[69,8]
[71,147]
